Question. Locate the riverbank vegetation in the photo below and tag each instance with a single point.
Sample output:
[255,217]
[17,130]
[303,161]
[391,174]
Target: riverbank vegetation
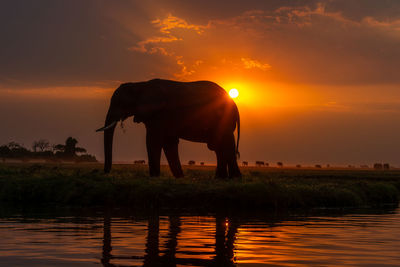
[42,150]
[86,185]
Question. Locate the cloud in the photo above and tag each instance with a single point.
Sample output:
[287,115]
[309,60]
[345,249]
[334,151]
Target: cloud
[304,44]
[254,64]
[185,70]
[150,45]
[316,45]
[172,30]
[303,41]
[169,28]
[171,22]
[385,24]
[166,27]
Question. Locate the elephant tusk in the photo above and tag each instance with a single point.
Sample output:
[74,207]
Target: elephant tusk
[107,127]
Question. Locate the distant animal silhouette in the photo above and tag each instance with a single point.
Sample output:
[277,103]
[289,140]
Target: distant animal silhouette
[202,163]
[386,166]
[280,164]
[139,161]
[192,162]
[245,163]
[378,166]
[198,111]
[260,163]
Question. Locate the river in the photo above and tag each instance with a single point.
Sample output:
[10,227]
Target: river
[365,238]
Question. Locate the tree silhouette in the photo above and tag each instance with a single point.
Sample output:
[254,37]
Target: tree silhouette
[43,150]
[14,146]
[69,149]
[41,144]
[4,151]
[18,150]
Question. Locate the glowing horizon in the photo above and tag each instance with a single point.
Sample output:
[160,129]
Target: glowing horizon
[301,78]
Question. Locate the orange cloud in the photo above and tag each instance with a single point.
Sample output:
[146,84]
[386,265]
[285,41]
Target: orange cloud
[156,44]
[285,38]
[172,22]
[166,26]
[394,24]
[254,64]
[185,71]
[142,46]
[305,16]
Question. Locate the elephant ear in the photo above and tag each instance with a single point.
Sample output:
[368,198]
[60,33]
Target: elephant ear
[149,104]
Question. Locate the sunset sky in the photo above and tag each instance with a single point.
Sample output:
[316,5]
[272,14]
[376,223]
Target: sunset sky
[318,81]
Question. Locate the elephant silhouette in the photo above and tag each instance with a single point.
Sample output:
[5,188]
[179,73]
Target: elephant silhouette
[198,111]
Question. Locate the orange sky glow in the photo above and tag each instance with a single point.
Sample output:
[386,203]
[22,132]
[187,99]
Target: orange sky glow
[317,80]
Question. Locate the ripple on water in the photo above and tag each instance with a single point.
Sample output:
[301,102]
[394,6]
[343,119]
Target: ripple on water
[355,239]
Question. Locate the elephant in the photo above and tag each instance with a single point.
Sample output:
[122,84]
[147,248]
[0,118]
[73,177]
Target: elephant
[199,111]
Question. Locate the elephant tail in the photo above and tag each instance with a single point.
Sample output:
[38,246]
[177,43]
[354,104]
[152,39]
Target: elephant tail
[238,132]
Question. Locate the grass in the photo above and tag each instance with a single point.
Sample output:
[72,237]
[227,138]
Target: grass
[85,185]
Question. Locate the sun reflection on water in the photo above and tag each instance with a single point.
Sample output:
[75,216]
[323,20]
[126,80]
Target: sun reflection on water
[201,240]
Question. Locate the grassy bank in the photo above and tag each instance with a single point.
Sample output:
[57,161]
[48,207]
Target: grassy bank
[259,189]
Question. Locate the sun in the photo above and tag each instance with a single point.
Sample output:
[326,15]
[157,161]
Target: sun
[233,93]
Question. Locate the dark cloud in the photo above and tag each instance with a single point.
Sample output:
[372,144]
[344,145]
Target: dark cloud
[203,11]
[65,42]
[359,9]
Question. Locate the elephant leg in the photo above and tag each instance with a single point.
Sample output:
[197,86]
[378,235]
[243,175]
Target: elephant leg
[221,163]
[214,145]
[171,152]
[154,144]
[230,151]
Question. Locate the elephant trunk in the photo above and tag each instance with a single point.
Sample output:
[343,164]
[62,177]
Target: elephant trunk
[108,145]
[110,123]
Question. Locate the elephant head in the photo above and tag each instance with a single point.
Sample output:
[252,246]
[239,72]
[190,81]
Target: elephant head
[122,105]
[118,111]
[130,99]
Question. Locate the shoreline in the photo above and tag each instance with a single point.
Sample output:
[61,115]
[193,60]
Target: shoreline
[260,189]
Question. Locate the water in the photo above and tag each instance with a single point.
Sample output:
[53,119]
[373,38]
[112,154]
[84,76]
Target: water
[356,240]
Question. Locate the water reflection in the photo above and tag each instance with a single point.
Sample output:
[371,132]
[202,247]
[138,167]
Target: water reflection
[111,239]
[107,248]
[225,235]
